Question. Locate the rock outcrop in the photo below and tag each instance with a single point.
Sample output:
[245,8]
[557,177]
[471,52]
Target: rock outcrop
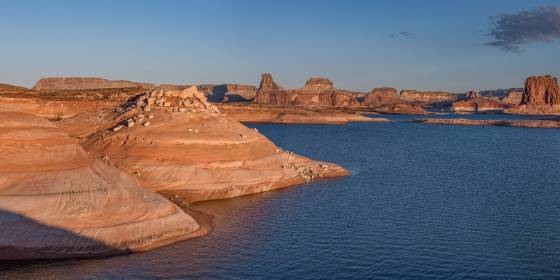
[513,97]
[541,96]
[82,83]
[427,96]
[318,84]
[380,97]
[191,150]
[252,113]
[510,123]
[58,202]
[267,83]
[541,91]
[474,102]
[317,92]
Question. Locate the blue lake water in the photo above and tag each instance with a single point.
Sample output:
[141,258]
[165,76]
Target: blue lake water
[424,202]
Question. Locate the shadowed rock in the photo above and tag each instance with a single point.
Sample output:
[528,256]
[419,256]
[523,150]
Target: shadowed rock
[58,202]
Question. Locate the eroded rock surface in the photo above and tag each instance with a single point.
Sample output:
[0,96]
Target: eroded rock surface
[81,83]
[191,150]
[541,91]
[317,92]
[58,202]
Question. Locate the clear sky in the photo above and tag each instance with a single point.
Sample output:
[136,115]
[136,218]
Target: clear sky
[359,45]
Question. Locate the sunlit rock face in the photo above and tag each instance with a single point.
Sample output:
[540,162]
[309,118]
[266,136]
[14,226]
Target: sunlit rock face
[82,83]
[317,92]
[56,201]
[541,91]
[177,143]
[380,97]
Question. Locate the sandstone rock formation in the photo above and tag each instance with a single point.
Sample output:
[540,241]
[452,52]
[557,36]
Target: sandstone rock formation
[318,84]
[317,92]
[541,91]
[58,202]
[552,123]
[513,97]
[427,96]
[81,83]
[475,103]
[380,97]
[267,83]
[191,150]
[251,113]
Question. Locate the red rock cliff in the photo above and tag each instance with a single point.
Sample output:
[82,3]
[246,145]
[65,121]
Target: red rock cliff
[380,97]
[317,92]
[541,91]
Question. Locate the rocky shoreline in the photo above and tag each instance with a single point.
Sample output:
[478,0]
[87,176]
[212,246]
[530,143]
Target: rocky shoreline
[105,195]
[508,123]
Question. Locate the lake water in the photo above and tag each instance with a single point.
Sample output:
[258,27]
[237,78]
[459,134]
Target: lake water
[424,202]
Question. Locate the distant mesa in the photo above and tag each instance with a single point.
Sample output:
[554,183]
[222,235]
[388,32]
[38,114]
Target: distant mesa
[82,83]
[317,92]
[318,84]
[381,96]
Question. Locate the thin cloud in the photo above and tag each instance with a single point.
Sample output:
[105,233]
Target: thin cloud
[404,34]
[510,31]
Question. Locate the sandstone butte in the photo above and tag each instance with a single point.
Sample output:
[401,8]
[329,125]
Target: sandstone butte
[317,92]
[56,201]
[106,196]
[321,93]
[541,96]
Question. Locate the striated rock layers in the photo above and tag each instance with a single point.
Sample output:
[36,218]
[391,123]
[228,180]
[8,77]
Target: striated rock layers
[183,146]
[475,103]
[317,92]
[540,96]
[58,202]
[380,97]
[541,91]
[427,96]
[83,83]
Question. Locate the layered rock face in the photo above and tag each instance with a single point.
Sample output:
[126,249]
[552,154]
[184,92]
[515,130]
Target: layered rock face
[191,150]
[475,103]
[513,97]
[427,96]
[82,83]
[380,97]
[58,202]
[317,92]
[318,84]
[541,91]
[267,83]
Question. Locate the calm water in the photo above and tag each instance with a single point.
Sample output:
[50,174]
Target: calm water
[424,202]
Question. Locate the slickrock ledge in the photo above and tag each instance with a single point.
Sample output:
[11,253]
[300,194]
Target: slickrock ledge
[58,202]
[192,150]
[285,115]
[552,123]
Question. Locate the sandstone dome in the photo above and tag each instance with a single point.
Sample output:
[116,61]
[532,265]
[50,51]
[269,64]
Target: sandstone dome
[58,202]
[186,147]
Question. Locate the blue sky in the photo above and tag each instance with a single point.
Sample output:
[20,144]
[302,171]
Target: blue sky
[354,43]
